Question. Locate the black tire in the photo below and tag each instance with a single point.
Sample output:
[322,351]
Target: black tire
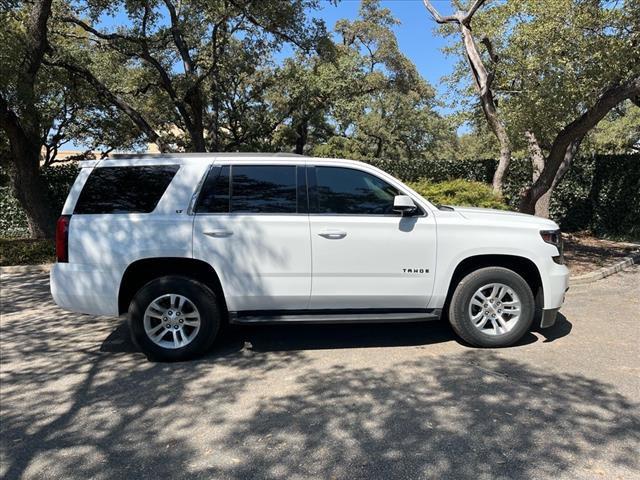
[198,294]
[459,307]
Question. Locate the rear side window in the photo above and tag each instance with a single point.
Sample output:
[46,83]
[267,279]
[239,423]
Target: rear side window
[124,189]
[250,189]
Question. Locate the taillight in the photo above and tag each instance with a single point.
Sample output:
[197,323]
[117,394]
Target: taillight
[62,238]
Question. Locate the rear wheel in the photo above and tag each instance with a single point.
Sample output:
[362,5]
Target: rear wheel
[174,318]
[492,307]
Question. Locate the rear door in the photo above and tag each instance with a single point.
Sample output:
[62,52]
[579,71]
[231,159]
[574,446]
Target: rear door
[365,255]
[251,224]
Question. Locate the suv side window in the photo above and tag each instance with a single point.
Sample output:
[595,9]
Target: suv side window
[346,191]
[250,189]
[124,189]
[214,197]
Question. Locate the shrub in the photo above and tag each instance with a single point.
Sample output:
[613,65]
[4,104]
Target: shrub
[26,251]
[459,192]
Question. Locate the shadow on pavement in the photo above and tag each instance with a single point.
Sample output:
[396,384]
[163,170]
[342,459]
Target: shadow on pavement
[71,410]
[268,338]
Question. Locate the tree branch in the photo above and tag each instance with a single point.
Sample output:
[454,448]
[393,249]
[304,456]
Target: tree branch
[178,38]
[439,18]
[474,8]
[104,36]
[569,138]
[117,101]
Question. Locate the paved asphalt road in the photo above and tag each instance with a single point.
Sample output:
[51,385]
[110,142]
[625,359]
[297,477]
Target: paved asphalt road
[377,401]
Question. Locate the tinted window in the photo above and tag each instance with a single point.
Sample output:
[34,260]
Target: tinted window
[263,189]
[124,189]
[353,192]
[215,192]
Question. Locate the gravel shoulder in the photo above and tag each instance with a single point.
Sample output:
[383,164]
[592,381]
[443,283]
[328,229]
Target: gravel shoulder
[365,401]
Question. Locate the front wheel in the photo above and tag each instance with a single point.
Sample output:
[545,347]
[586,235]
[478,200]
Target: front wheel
[492,307]
[174,318]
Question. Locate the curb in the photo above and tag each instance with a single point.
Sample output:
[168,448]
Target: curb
[605,271]
[44,268]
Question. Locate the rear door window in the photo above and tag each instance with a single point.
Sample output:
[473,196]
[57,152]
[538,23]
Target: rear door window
[124,189]
[263,189]
[251,189]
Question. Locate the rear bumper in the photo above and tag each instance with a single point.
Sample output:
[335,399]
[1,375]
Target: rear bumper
[84,289]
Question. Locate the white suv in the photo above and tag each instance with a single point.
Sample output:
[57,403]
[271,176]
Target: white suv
[186,242]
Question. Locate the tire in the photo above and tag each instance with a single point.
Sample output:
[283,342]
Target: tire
[185,310]
[494,323]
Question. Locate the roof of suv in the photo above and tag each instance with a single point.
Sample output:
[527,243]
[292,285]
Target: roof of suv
[143,159]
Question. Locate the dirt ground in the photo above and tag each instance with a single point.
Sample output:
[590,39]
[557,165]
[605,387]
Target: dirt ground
[584,253]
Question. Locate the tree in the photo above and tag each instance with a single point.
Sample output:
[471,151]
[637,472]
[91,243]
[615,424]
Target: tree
[24,43]
[557,68]
[359,97]
[483,80]
[202,63]
[42,108]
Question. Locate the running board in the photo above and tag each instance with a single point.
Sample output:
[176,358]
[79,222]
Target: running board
[332,316]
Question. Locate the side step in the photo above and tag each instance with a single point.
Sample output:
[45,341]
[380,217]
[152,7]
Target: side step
[332,316]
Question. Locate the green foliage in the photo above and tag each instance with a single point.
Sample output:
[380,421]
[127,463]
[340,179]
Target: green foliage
[24,251]
[459,192]
[617,133]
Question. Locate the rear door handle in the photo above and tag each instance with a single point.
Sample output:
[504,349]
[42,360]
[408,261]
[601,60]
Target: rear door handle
[218,233]
[332,233]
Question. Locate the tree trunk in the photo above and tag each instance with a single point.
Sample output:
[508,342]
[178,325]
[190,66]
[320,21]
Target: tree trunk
[302,131]
[483,80]
[31,192]
[541,207]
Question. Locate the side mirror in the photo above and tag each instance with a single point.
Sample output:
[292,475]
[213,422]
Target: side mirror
[403,204]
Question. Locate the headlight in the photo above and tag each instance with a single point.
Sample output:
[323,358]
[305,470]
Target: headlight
[554,237]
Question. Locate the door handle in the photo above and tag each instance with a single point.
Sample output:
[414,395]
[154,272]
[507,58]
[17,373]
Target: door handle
[218,233]
[332,234]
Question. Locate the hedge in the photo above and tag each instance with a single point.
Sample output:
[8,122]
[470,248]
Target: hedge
[600,193]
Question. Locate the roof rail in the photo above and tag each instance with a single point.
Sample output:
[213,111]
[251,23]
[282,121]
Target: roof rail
[116,156]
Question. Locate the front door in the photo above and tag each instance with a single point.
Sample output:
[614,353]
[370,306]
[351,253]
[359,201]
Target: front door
[366,256]
[250,228]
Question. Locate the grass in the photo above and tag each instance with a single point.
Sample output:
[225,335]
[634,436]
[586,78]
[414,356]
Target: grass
[26,251]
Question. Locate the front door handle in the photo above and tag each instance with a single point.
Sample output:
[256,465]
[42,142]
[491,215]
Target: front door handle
[332,234]
[218,233]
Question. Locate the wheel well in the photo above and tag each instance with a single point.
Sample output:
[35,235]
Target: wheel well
[520,265]
[143,271]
